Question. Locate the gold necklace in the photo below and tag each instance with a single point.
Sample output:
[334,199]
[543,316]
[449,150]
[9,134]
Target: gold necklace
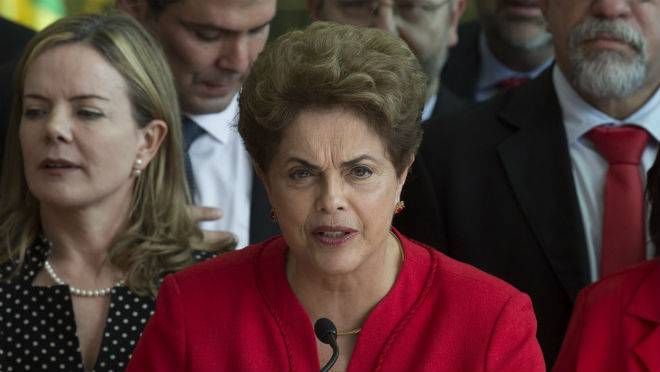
[351,332]
[357,330]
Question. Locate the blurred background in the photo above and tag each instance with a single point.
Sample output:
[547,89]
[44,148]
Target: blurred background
[37,14]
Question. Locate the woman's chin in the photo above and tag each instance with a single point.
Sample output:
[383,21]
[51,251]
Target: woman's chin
[61,200]
[336,261]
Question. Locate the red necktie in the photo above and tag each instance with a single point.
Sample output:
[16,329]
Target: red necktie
[623,220]
[511,82]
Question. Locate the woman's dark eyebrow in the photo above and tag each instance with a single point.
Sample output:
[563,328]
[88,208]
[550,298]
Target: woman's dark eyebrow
[352,162]
[347,163]
[302,162]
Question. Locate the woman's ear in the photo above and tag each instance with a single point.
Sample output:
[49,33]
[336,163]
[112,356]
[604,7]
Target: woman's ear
[151,138]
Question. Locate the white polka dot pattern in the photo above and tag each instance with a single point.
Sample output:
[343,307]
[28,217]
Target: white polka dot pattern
[37,324]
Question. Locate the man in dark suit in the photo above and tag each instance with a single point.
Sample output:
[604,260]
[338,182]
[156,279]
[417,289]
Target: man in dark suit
[210,46]
[13,40]
[528,184]
[505,46]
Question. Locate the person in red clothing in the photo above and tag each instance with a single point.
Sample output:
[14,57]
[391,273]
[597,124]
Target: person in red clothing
[330,116]
[616,322]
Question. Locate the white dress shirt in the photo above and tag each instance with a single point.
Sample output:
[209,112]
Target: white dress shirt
[492,71]
[223,172]
[590,168]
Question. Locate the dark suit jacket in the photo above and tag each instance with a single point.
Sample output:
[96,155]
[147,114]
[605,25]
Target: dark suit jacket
[419,220]
[616,324]
[507,201]
[461,71]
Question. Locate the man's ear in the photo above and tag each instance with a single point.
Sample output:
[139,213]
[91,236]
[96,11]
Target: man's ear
[151,137]
[138,9]
[457,11]
[314,7]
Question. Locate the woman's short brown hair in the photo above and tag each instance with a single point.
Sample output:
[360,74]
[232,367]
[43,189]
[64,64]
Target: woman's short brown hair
[329,65]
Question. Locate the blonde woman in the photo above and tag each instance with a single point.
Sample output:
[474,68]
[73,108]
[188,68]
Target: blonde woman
[92,214]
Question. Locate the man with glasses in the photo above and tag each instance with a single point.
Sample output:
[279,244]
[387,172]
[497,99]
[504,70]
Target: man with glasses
[543,185]
[506,46]
[428,26]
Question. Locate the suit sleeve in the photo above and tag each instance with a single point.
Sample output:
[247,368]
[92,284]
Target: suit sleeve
[162,345]
[568,355]
[513,346]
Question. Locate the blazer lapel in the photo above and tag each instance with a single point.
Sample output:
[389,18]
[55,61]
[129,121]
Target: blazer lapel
[538,165]
[644,313]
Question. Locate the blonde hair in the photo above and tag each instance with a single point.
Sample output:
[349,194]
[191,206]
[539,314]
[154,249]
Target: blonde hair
[160,234]
[329,65]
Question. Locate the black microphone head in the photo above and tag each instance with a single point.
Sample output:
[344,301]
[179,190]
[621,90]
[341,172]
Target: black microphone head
[325,330]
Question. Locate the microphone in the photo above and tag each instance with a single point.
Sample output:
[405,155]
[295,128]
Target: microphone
[326,332]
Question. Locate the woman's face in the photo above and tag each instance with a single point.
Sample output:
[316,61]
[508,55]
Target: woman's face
[77,134]
[333,190]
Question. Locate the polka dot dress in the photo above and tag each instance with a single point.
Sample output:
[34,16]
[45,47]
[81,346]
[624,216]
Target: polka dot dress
[38,329]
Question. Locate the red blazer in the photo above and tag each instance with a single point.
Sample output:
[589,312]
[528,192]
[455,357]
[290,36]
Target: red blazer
[238,313]
[615,325]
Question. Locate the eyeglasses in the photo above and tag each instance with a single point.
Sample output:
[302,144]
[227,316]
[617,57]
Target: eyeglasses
[362,11]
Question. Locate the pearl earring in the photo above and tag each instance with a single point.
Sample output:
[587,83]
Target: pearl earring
[137,169]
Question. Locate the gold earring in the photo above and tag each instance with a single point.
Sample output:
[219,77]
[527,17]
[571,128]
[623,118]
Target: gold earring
[272,215]
[399,207]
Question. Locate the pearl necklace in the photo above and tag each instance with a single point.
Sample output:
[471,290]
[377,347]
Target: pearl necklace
[77,291]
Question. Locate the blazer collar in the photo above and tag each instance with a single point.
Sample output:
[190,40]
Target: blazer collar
[522,105]
[537,163]
[385,321]
[645,306]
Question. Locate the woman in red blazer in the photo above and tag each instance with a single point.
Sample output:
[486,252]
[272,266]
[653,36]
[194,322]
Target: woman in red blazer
[330,118]
[616,324]
[616,321]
